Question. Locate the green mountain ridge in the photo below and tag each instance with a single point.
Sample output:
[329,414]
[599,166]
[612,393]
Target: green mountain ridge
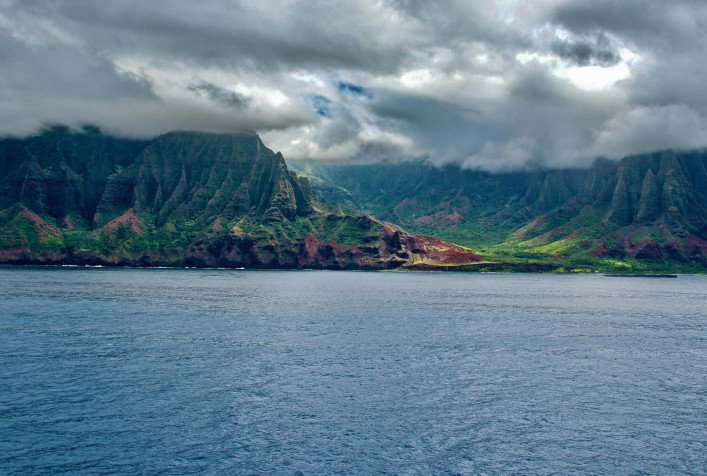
[645,213]
[185,199]
[226,200]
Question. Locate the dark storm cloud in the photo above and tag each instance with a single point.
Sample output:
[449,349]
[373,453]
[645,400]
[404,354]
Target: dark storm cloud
[451,130]
[218,94]
[62,71]
[666,102]
[60,84]
[496,85]
[670,24]
[540,120]
[263,35]
[456,22]
[585,53]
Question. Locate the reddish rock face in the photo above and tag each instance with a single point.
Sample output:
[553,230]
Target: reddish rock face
[438,251]
[68,223]
[127,218]
[43,228]
[574,233]
[600,251]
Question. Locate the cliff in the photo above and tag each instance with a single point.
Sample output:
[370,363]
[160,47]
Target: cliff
[185,199]
[646,212]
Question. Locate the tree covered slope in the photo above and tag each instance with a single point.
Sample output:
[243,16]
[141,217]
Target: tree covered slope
[185,199]
[641,214]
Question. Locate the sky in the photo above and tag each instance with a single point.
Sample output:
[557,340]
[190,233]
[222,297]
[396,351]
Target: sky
[491,85]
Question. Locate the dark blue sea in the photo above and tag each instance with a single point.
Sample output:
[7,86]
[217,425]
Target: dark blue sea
[136,371]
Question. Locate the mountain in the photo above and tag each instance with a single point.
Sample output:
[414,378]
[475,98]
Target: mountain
[643,213]
[226,200]
[185,199]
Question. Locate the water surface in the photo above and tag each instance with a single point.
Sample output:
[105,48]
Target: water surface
[249,372]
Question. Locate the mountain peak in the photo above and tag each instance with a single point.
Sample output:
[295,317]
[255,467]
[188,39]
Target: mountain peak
[185,199]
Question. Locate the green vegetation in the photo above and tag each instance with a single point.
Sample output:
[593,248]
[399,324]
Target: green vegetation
[535,221]
[18,229]
[227,200]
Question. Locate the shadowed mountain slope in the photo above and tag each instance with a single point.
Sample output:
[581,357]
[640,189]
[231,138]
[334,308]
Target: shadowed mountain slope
[643,213]
[185,199]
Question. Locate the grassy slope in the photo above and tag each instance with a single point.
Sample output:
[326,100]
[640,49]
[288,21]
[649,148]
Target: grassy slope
[44,235]
[565,246]
[550,242]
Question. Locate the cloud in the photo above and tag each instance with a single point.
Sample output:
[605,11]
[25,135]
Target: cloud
[599,51]
[647,129]
[649,24]
[218,94]
[60,84]
[354,89]
[319,104]
[503,157]
[494,85]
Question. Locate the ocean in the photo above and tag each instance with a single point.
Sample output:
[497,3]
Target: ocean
[194,371]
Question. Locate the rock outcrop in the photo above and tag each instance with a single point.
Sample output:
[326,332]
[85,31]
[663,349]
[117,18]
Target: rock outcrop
[648,208]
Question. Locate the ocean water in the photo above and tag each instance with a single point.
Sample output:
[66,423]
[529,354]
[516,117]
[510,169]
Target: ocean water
[134,371]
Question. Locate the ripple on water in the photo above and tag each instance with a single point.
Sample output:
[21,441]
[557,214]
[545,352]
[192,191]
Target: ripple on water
[222,371]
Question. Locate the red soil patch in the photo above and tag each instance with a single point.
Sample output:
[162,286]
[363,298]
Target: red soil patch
[425,220]
[627,240]
[126,218]
[574,233]
[459,200]
[455,217]
[443,218]
[44,229]
[67,223]
[311,244]
[696,241]
[333,249]
[10,253]
[557,257]
[441,251]
[648,247]
[601,251]
[695,246]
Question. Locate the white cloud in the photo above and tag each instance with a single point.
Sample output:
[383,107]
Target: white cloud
[646,129]
[593,77]
[503,157]
[494,85]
